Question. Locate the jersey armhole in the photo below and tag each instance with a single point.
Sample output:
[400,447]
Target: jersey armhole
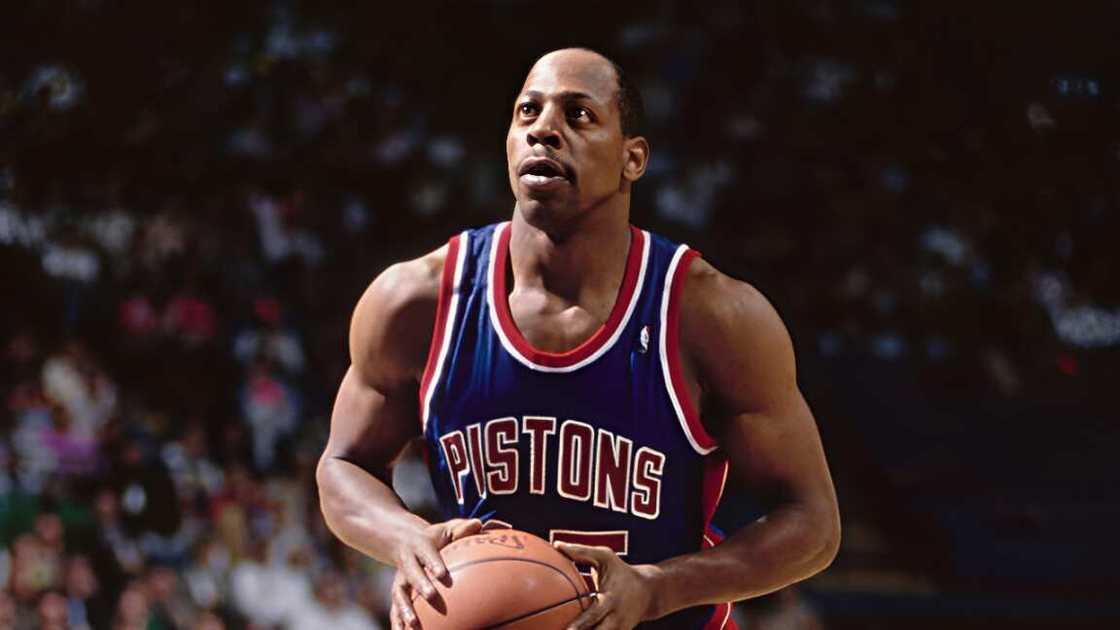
[683,405]
[446,307]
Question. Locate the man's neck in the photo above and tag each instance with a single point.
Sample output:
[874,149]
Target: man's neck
[589,260]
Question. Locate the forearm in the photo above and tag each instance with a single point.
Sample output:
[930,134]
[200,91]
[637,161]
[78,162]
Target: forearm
[786,546]
[363,511]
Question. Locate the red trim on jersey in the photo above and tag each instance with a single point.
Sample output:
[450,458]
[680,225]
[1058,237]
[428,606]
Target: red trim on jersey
[721,619]
[588,347]
[672,350]
[715,477]
[715,474]
[446,286]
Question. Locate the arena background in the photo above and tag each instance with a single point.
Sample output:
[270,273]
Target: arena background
[192,199]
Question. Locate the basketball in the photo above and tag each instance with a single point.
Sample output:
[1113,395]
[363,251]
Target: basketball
[505,579]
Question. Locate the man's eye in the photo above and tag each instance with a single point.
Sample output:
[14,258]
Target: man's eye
[527,109]
[579,113]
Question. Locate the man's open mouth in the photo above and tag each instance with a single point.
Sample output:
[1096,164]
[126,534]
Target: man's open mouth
[543,168]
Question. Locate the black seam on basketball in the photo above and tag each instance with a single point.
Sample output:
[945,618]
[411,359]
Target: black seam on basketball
[516,559]
[538,611]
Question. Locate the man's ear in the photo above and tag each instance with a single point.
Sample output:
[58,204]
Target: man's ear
[636,156]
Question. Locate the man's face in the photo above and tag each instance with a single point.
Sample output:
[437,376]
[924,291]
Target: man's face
[565,148]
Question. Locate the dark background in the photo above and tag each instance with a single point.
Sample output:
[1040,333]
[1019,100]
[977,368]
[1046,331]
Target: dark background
[192,199]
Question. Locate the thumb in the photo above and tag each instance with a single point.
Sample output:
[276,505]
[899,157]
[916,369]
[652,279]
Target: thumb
[464,528]
[583,553]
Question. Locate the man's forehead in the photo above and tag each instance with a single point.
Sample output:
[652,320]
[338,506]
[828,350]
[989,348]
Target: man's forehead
[573,70]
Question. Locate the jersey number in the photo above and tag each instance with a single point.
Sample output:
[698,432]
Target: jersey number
[617,541]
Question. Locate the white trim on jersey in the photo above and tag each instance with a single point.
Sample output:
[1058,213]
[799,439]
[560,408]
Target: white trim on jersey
[726,615]
[723,482]
[509,347]
[667,289]
[448,327]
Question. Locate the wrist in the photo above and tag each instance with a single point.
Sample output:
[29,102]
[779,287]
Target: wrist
[407,529]
[654,583]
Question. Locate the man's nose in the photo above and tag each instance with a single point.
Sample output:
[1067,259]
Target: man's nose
[544,131]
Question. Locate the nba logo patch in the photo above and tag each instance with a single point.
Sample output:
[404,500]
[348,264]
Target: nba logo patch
[643,340]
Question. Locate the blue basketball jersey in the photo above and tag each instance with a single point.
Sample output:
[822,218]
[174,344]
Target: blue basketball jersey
[599,445]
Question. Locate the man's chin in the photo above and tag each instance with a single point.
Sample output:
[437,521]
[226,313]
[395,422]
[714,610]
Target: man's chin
[546,202]
[547,214]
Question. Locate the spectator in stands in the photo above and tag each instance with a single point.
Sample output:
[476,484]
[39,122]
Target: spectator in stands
[330,608]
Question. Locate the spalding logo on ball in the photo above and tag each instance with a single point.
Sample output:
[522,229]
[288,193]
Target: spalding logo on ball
[506,579]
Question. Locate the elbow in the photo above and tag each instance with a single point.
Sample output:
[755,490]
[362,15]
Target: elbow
[833,543]
[826,537]
[324,482]
[321,473]
[322,477]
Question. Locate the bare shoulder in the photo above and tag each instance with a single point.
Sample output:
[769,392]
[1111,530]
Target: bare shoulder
[714,301]
[391,327]
[734,337]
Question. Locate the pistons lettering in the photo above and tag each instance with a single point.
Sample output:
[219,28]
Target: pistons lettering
[591,465]
[501,453]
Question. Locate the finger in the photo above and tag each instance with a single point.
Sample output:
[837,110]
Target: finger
[595,613]
[433,562]
[417,579]
[611,622]
[394,615]
[597,556]
[443,532]
[607,623]
[398,619]
[495,524]
[401,596]
[401,601]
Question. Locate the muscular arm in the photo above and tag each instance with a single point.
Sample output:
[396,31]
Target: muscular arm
[375,411]
[375,416]
[740,358]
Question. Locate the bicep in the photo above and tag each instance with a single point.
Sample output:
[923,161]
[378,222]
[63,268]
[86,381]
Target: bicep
[764,426]
[770,434]
[370,427]
[777,454]
[376,411]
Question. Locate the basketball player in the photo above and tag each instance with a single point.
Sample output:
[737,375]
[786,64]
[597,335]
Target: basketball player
[584,380]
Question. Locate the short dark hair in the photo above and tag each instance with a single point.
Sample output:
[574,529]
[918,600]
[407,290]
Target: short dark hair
[631,108]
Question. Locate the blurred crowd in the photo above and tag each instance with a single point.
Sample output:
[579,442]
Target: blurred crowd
[191,203]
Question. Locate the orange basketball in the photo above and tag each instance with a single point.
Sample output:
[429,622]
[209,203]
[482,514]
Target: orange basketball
[505,579]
